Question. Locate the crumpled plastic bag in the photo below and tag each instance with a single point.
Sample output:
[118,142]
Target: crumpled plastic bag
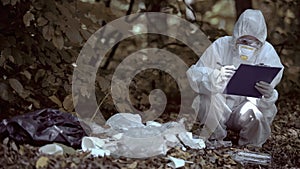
[124,121]
[44,127]
[142,142]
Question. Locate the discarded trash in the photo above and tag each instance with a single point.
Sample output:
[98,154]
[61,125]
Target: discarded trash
[66,149]
[244,157]
[188,140]
[129,137]
[43,127]
[142,142]
[217,144]
[176,162]
[172,128]
[56,149]
[91,142]
[95,146]
[124,121]
[94,127]
[51,149]
[153,123]
[172,140]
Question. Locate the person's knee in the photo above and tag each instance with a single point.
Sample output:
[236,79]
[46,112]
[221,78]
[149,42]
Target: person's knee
[202,104]
[250,113]
[255,130]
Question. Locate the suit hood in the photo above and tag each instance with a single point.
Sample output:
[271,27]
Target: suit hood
[251,22]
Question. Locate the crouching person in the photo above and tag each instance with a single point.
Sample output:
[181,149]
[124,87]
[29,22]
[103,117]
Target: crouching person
[251,117]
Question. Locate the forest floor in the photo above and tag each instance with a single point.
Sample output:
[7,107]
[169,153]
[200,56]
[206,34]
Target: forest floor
[283,146]
[46,73]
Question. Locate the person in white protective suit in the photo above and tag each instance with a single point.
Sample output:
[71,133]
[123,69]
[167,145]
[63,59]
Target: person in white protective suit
[252,117]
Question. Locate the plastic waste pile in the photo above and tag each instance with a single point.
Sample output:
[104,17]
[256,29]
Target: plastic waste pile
[125,135]
[129,137]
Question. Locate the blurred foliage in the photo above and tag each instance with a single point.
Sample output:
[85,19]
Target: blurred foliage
[283,20]
[40,41]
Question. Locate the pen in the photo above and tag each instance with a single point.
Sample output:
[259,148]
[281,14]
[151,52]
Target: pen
[220,64]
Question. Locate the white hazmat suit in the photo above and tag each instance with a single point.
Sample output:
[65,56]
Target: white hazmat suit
[252,117]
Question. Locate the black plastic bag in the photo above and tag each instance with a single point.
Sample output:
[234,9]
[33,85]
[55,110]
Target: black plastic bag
[43,127]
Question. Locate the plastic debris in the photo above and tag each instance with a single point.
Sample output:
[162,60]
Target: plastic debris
[91,142]
[94,127]
[129,137]
[117,136]
[217,144]
[176,162]
[172,140]
[43,127]
[95,146]
[172,128]
[51,149]
[245,157]
[142,143]
[153,123]
[126,135]
[124,121]
[188,140]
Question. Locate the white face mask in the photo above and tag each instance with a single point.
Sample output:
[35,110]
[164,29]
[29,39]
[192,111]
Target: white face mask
[246,52]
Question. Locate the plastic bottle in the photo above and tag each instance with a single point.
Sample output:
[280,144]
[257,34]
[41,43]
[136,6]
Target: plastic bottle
[245,157]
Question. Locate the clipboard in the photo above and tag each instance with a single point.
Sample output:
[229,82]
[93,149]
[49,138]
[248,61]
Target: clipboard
[246,76]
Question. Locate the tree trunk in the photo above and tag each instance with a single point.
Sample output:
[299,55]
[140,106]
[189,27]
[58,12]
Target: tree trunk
[241,6]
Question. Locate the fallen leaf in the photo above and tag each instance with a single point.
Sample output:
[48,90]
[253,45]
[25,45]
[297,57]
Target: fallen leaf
[5,2]
[290,14]
[73,165]
[16,85]
[55,100]
[5,141]
[40,73]
[293,133]
[58,41]
[132,165]
[27,18]
[36,103]
[11,58]
[68,103]
[48,32]
[26,74]
[14,146]
[41,21]
[5,93]
[50,16]
[85,34]
[21,150]
[63,10]
[42,162]
[13,2]
[73,35]
[66,149]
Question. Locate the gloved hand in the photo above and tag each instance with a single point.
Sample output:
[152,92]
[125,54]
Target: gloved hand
[227,72]
[265,89]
